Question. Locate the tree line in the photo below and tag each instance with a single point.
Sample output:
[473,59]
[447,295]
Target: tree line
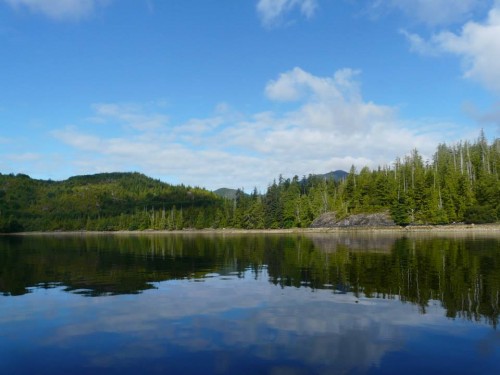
[460,184]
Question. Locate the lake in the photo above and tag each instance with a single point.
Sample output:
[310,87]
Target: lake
[249,304]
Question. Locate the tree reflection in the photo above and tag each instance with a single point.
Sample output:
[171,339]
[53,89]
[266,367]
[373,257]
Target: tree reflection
[462,273]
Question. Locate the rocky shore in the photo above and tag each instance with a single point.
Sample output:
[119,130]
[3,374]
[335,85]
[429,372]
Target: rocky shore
[493,229]
[330,220]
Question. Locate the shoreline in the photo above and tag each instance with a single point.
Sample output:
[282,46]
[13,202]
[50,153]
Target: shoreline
[487,229]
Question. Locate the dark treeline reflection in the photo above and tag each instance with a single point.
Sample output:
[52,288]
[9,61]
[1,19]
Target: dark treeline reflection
[462,273]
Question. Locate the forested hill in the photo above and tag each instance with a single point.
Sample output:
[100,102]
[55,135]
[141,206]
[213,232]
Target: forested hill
[105,201]
[460,184]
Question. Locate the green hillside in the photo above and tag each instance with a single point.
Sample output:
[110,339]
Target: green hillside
[106,201]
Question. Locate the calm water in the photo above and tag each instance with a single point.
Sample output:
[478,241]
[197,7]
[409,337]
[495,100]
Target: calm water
[274,304]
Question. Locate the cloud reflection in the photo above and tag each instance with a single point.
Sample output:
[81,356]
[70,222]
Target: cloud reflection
[229,321]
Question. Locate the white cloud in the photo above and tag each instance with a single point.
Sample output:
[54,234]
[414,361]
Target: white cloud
[272,11]
[489,117]
[419,44]
[332,119]
[35,164]
[297,83]
[74,138]
[25,157]
[327,125]
[131,115]
[477,44]
[433,12]
[158,154]
[59,9]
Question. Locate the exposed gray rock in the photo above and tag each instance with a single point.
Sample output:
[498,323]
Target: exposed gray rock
[326,220]
[329,220]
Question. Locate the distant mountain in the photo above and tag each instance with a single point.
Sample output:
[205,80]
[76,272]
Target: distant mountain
[226,193]
[337,175]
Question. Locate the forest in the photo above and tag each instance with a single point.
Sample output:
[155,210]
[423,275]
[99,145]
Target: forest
[461,184]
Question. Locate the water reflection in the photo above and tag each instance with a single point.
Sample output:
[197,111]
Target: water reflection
[248,304]
[240,327]
[462,273]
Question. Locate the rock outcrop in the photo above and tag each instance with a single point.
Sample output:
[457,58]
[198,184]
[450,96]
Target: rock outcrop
[330,220]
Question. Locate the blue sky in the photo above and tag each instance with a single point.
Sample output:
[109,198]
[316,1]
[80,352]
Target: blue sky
[233,93]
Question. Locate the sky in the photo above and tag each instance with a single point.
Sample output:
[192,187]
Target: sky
[234,93]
